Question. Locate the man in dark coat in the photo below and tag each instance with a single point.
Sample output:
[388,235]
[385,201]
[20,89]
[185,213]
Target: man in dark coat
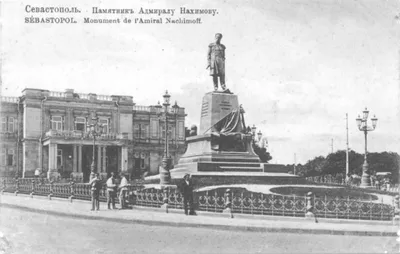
[187,192]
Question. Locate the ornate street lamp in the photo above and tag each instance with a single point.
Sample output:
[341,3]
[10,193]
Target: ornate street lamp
[363,126]
[259,136]
[165,176]
[94,129]
[253,131]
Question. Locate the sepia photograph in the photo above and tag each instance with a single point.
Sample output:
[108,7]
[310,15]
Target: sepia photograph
[171,126]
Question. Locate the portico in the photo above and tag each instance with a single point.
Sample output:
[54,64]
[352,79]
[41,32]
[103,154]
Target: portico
[68,158]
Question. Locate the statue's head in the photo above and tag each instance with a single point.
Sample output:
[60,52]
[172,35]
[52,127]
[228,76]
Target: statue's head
[218,37]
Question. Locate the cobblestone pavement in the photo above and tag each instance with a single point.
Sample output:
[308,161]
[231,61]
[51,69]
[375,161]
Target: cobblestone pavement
[31,232]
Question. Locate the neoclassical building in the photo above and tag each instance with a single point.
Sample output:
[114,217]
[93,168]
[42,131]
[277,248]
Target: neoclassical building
[49,130]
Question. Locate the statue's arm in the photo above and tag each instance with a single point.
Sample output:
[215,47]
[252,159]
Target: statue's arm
[223,52]
[209,55]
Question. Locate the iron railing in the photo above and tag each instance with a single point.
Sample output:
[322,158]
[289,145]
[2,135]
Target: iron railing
[262,204]
[211,201]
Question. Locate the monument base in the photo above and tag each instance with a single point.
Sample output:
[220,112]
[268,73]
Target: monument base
[223,152]
[202,179]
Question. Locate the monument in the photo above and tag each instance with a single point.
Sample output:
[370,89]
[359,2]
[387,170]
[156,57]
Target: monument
[222,152]
[216,61]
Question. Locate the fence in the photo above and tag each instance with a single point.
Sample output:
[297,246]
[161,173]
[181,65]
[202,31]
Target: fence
[243,203]
[261,204]
[43,187]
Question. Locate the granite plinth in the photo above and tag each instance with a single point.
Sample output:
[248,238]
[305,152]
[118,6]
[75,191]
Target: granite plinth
[200,156]
[201,179]
[215,106]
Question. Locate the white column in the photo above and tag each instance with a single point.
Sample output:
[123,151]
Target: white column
[104,159]
[52,157]
[52,173]
[79,158]
[124,159]
[74,159]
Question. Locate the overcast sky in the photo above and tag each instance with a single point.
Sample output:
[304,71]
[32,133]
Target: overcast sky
[298,66]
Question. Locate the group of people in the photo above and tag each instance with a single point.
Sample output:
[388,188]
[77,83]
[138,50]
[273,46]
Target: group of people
[112,190]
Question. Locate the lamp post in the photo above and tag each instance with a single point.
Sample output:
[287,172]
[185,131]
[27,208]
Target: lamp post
[363,126]
[259,136]
[253,132]
[94,129]
[165,176]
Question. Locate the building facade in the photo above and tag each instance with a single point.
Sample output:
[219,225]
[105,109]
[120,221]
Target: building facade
[48,131]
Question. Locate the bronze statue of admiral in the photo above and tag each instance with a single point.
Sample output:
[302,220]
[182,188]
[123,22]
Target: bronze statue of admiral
[216,62]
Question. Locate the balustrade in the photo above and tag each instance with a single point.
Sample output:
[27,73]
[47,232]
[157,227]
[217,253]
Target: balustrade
[9,99]
[71,191]
[74,134]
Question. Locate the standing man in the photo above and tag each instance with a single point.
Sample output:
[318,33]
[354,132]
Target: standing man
[111,191]
[187,191]
[123,188]
[95,184]
[216,61]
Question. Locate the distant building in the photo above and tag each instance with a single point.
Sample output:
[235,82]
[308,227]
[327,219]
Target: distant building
[47,130]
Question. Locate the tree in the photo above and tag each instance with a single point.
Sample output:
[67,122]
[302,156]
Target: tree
[262,153]
[335,163]
[355,162]
[313,167]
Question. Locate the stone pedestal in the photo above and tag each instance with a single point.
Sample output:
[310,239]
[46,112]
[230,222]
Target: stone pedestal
[200,155]
[215,106]
[365,178]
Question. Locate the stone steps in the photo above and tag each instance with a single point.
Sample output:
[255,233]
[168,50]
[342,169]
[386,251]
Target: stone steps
[241,169]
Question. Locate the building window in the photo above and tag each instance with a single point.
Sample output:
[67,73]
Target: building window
[59,158]
[181,130]
[136,130]
[7,157]
[8,124]
[80,124]
[144,131]
[3,124]
[154,128]
[10,157]
[11,124]
[104,123]
[57,123]
[141,131]
[3,157]
[171,132]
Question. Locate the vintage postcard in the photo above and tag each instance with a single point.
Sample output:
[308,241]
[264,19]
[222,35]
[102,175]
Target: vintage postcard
[199,126]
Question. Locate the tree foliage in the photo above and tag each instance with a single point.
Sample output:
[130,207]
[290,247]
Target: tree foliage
[335,164]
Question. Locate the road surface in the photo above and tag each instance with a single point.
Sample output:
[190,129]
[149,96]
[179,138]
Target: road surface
[30,232]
